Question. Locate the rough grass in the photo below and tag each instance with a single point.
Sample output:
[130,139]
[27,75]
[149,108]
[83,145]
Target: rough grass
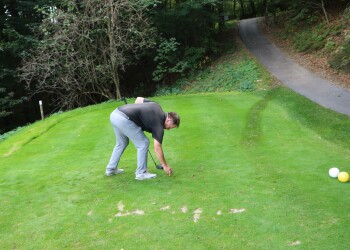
[250,172]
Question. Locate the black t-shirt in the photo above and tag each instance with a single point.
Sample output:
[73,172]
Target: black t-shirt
[149,116]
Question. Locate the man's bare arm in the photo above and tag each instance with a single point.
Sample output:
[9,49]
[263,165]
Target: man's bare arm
[160,155]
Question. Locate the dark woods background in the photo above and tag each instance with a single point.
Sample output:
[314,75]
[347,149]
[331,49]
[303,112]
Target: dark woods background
[45,54]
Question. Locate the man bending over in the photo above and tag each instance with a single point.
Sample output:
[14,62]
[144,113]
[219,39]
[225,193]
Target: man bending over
[129,121]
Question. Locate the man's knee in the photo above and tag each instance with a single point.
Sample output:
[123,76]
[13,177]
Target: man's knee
[143,144]
[122,143]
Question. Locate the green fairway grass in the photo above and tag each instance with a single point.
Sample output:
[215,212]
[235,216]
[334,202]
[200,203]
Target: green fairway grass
[250,172]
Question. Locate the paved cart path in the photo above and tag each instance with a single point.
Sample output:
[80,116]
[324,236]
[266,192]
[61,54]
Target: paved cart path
[290,73]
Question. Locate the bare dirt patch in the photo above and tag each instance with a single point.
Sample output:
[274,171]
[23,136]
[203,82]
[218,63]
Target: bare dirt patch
[294,243]
[184,209]
[197,214]
[237,211]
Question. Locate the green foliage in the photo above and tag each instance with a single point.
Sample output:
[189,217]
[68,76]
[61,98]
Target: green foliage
[340,60]
[167,59]
[195,58]
[329,45]
[312,39]
[241,76]
[347,13]
[311,35]
[191,23]
[246,86]
[18,44]
[300,16]
[188,28]
[7,102]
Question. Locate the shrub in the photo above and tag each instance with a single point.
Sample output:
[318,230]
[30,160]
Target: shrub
[347,13]
[341,58]
[246,86]
[167,59]
[311,40]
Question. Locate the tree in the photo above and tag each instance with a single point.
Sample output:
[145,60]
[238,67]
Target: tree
[7,101]
[221,14]
[316,4]
[252,8]
[234,9]
[242,9]
[84,47]
[17,17]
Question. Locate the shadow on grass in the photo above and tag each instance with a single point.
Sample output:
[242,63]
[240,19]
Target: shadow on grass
[332,126]
[328,124]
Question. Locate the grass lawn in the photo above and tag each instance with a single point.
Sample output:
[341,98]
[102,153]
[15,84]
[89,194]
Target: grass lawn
[250,172]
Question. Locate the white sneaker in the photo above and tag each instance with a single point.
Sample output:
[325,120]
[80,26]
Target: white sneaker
[110,172]
[145,176]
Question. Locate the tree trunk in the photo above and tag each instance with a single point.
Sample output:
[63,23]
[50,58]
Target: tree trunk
[266,16]
[273,8]
[234,9]
[112,52]
[117,85]
[252,8]
[221,15]
[242,9]
[324,11]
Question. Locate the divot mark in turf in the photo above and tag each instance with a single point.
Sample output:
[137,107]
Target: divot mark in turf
[165,208]
[121,206]
[219,212]
[135,212]
[294,243]
[121,209]
[197,214]
[184,209]
[237,211]
[89,213]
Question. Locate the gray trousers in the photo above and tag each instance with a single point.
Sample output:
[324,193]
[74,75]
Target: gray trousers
[125,129]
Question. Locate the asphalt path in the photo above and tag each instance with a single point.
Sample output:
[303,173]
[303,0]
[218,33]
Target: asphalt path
[290,73]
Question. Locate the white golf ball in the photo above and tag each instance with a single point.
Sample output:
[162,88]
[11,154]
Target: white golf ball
[333,172]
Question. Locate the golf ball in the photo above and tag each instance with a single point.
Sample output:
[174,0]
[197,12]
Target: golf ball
[333,172]
[343,177]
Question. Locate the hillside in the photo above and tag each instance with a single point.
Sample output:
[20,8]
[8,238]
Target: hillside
[294,38]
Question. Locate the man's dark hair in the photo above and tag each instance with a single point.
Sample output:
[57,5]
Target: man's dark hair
[175,118]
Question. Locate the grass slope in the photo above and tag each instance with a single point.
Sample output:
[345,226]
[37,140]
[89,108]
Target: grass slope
[250,172]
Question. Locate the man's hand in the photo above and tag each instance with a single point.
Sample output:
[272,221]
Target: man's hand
[139,99]
[159,153]
[168,170]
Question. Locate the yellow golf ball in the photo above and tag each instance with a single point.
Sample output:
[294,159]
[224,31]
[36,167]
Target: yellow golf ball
[343,177]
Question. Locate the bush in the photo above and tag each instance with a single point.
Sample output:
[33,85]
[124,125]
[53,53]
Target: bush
[347,13]
[167,59]
[247,86]
[311,40]
[301,16]
[242,76]
[341,58]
